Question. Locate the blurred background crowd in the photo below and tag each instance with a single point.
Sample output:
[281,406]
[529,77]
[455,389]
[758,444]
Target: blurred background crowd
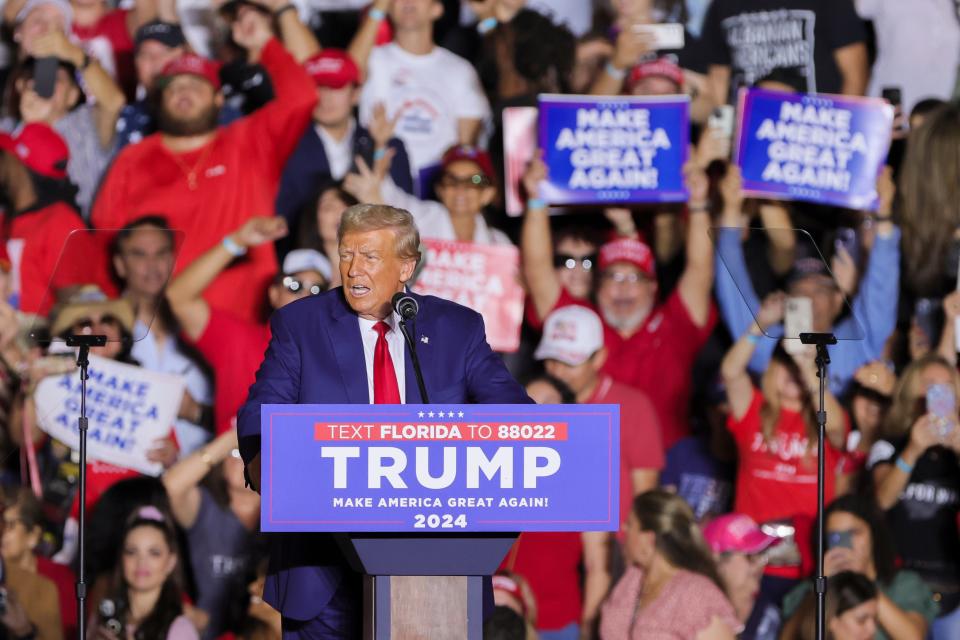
[248,127]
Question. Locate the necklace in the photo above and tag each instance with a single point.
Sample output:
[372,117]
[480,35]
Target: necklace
[191,172]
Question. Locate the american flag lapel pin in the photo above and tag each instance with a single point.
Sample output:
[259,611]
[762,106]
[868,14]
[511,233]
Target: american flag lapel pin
[424,339]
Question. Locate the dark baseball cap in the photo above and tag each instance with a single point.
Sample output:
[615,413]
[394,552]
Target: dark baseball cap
[167,33]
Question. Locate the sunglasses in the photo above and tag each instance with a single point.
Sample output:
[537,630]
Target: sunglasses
[476,181]
[293,285]
[564,261]
[87,324]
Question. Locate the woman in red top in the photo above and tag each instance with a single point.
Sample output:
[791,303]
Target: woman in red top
[775,426]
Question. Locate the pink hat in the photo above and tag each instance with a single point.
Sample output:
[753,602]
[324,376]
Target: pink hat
[332,68]
[630,251]
[736,532]
[571,335]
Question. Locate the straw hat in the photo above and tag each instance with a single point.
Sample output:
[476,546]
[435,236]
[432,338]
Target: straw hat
[85,300]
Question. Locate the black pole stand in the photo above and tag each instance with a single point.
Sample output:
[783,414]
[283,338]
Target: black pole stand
[416,361]
[84,343]
[821,340]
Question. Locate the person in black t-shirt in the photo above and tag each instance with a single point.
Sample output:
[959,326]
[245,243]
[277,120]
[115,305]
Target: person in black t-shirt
[916,471]
[744,40]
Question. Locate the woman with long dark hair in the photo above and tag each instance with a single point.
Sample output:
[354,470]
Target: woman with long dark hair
[850,610]
[146,602]
[671,589]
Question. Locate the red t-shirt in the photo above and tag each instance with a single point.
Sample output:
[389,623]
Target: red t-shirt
[234,348]
[237,175]
[66,583]
[550,563]
[100,477]
[565,300]
[36,241]
[640,445]
[779,479]
[658,359]
[112,27]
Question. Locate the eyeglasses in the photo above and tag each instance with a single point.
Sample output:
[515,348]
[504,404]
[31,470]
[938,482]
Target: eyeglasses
[87,324]
[293,285]
[476,181]
[564,261]
[624,278]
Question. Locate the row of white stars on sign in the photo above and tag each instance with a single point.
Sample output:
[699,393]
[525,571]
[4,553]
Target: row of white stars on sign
[440,414]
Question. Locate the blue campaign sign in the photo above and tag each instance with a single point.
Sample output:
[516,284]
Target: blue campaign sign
[608,150]
[818,148]
[410,468]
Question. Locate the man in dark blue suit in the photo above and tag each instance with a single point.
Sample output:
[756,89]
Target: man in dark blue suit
[345,346]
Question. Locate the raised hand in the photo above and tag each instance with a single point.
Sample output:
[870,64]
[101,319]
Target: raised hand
[381,127]
[251,30]
[771,310]
[260,230]
[535,174]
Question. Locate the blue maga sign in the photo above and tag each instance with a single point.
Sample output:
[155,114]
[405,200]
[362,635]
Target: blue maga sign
[817,148]
[409,468]
[608,150]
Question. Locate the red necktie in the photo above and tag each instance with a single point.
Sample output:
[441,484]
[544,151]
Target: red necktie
[385,389]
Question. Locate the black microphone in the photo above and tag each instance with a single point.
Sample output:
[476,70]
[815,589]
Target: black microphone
[405,305]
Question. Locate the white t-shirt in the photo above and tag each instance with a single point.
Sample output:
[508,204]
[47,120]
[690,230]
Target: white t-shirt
[431,92]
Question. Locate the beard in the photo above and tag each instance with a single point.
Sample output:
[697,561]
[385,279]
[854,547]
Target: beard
[172,125]
[629,322]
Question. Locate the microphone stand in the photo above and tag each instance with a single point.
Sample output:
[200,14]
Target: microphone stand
[83,342]
[821,340]
[416,361]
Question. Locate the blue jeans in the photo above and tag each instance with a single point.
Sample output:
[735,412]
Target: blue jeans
[569,632]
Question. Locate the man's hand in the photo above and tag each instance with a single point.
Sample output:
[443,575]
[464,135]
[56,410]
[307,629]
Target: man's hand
[260,230]
[631,46]
[163,451]
[381,127]
[251,30]
[55,44]
[697,184]
[731,189]
[771,310]
[535,174]
[365,184]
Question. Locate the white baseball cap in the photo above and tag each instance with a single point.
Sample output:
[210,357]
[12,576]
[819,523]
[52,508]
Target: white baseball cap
[571,335]
[62,5]
[307,260]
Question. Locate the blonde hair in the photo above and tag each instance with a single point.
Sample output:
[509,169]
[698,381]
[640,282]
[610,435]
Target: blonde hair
[907,403]
[373,217]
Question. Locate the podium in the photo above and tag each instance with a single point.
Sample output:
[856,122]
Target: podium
[426,500]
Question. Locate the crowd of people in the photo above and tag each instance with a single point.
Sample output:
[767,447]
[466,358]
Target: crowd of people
[173,172]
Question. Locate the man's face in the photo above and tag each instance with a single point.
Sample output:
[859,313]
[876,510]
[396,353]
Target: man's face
[151,58]
[580,377]
[414,14]
[145,261]
[655,86]
[372,272]
[626,296]
[578,279]
[189,106]
[826,298]
[335,106]
[464,190]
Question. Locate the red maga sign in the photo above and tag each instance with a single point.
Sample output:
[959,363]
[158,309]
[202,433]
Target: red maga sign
[482,277]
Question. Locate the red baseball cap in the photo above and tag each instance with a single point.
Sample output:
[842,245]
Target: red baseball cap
[39,148]
[332,68]
[736,532]
[470,153]
[630,251]
[192,64]
[662,67]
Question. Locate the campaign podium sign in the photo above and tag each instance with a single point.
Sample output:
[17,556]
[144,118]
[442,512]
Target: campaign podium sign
[440,468]
[614,149]
[817,148]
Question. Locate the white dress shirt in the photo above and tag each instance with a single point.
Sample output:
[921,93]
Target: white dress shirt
[339,152]
[397,351]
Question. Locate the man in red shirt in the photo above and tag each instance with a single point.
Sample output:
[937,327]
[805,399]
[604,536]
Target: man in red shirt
[41,217]
[207,180]
[234,347]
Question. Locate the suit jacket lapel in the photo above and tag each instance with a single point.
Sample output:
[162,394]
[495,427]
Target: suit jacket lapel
[347,345]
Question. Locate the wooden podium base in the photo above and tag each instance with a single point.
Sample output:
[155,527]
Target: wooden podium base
[423,608]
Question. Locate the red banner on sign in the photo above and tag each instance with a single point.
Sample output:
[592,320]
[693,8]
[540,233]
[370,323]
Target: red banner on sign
[482,277]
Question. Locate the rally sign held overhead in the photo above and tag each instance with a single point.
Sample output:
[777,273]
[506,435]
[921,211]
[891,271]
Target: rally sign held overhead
[441,468]
[483,277]
[817,148]
[128,408]
[608,150]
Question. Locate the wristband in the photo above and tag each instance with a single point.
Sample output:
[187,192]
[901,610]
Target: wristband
[536,203]
[752,338]
[613,72]
[283,9]
[486,25]
[904,466]
[378,154]
[377,15]
[233,248]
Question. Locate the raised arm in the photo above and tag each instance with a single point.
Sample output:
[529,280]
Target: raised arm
[536,244]
[781,250]
[733,368]
[143,12]
[296,36]
[696,282]
[366,36]
[630,47]
[182,480]
[185,291]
